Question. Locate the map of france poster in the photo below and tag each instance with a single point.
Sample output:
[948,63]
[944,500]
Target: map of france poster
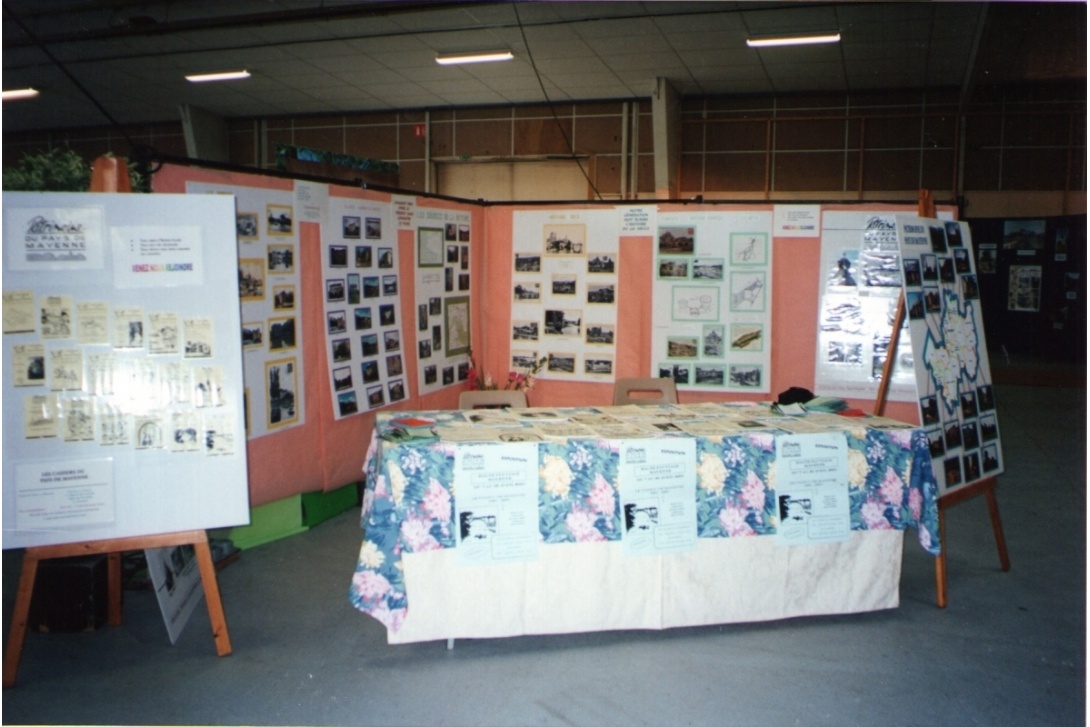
[953,377]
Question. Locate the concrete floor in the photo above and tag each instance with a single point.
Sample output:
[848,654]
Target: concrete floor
[1010,649]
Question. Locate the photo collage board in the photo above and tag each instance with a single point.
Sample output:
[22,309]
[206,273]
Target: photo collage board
[953,374]
[361,294]
[121,360]
[442,268]
[271,300]
[564,294]
[712,289]
[860,287]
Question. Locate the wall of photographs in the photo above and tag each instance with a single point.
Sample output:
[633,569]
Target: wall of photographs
[953,374]
[361,291]
[272,305]
[860,279]
[442,253]
[122,377]
[712,289]
[564,293]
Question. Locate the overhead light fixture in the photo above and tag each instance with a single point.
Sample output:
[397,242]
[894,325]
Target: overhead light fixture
[218,76]
[16,94]
[487,56]
[770,41]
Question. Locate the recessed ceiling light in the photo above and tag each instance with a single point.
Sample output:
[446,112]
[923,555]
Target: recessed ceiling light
[218,76]
[16,94]
[770,41]
[488,56]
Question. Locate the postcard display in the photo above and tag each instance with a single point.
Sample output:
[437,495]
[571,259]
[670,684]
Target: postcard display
[442,296]
[362,306]
[712,288]
[860,287]
[122,380]
[269,289]
[953,376]
[564,293]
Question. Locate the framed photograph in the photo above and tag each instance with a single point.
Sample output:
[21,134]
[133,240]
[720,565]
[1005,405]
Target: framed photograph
[246,226]
[364,256]
[278,219]
[568,239]
[253,336]
[281,333]
[747,291]
[334,290]
[429,247]
[283,297]
[251,279]
[373,228]
[602,264]
[747,337]
[690,303]
[456,324]
[676,240]
[342,378]
[527,263]
[338,256]
[281,386]
[560,322]
[354,288]
[351,227]
[674,268]
[748,248]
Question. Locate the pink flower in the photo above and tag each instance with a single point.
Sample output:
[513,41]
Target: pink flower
[915,504]
[601,496]
[370,585]
[901,437]
[390,618]
[764,440]
[415,532]
[437,501]
[733,520]
[874,515]
[892,488]
[581,525]
[753,492]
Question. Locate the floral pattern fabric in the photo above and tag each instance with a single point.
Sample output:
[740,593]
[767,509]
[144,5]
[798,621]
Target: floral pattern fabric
[408,504]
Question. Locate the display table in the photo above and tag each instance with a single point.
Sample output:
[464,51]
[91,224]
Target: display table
[408,576]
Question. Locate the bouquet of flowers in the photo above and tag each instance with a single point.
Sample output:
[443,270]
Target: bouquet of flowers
[522,380]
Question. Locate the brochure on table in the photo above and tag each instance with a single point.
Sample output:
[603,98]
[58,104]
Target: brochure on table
[122,380]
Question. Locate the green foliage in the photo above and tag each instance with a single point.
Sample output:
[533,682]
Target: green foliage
[57,170]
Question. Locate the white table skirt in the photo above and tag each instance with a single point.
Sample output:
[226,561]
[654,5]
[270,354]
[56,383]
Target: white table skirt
[579,587]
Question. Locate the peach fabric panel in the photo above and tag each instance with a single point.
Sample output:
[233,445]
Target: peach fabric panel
[280,464]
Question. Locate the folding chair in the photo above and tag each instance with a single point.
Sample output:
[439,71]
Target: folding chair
[644,391]
[493,399]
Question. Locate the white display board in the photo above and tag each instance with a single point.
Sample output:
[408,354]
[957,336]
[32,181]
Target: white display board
[712,288]
[122,372]
[564,298]
[953,375]
[269,288]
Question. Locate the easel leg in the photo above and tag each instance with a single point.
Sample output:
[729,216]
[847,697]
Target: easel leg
[940,564]
[212,597]
[997,528]
[113,589]
[19,619]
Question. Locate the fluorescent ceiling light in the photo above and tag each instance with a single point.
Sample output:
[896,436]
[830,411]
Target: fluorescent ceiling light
[769,41]
[218,76]
[19,93]
[487,56]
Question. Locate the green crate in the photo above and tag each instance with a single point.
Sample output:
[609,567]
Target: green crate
[268,522]
[321,506]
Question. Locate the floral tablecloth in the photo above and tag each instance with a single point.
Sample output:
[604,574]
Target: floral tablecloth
[408,499]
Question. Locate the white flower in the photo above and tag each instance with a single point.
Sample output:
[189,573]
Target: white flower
[712,473]
[397,483]
[371,556]
[557,476]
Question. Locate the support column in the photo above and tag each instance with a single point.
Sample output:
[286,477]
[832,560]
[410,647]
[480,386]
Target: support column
[666,114]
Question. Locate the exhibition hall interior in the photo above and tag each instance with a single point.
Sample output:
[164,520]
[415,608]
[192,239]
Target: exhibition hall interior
[539,363]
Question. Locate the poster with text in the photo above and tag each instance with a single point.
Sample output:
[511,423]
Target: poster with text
[272,304]
[860,285]
[953,375]
[442,249]
[712,288]
[361,294]
[564,294]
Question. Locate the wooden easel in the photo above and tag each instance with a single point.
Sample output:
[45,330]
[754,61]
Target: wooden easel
[986,486]
[113,548]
